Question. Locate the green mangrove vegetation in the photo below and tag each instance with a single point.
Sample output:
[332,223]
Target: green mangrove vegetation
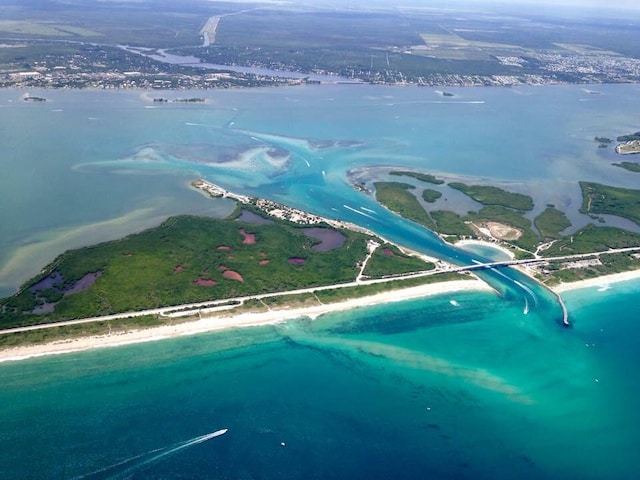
[605,199]
[631,166]
[504,215]
[629,138]
[430,195]
[423,177]
[389,260]
[186,259]
[450,223]
[551,222]
[593,239]
[397,198]
[490,195]
[191,259]
[603,141]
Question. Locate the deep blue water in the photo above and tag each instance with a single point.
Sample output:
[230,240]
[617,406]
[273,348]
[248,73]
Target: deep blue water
[475,388]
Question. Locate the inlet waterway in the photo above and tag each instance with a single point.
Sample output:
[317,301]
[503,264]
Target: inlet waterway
[191,61]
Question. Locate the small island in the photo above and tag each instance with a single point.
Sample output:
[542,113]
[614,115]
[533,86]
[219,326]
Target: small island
[630,144]
[603,142]
[628,148]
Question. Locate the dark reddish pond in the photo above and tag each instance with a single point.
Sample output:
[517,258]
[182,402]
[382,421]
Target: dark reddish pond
[249,238]
[231,275]
[250,217]
[329,238]
[297,261]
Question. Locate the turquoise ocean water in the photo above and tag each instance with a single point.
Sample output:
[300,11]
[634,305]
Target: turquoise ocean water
[475,388]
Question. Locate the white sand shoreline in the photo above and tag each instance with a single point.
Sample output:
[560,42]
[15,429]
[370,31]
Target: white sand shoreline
[486,243]
[210,324]
[250,319]
[601,281]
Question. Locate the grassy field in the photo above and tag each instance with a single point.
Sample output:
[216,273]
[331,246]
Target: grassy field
[397,198]
[159,24]
[489,195]
[44,29]
[454,47]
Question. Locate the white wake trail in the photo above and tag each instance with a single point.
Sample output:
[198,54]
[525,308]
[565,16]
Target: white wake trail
[125,467]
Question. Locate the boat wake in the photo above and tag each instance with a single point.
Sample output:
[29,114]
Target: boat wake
[529,291]
[358,212]
[124,468]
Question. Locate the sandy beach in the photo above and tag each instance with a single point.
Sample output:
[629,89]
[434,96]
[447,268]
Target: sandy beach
[221,321]
[486,243]
[209,324]
[599,282]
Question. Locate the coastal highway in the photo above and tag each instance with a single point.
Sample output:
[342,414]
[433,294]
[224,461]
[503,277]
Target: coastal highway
[230,303]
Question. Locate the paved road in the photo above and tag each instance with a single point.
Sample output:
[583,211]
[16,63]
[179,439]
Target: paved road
[228,303]
[222,304]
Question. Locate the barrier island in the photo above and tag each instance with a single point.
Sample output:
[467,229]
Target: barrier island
[268,262]
[265,254]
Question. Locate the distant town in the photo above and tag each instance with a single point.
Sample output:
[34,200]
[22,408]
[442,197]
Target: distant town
[108,67]
[216,45]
